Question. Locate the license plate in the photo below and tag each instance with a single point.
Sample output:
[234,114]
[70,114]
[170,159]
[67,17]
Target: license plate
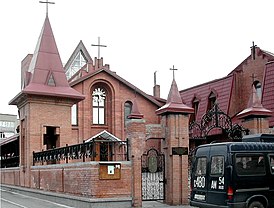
[199,197]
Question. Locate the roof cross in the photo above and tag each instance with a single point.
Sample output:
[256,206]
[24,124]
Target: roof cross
[253,47]
[98,45]
[173,69]
[47,3]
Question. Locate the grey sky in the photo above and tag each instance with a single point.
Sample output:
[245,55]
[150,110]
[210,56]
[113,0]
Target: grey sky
[205,40]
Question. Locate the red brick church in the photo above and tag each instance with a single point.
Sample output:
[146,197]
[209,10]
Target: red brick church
[119,136]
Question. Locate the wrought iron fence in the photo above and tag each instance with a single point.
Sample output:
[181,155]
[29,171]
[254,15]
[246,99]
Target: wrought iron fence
[9,161]
[96,150]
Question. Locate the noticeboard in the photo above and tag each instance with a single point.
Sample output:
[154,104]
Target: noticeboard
[109,171]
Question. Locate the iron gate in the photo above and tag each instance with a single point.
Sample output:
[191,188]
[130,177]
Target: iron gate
[153,176]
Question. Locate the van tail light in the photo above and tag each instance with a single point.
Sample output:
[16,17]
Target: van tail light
[229,193]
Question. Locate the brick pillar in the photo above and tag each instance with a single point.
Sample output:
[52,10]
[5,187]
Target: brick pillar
[136,137]
[257,125]
[177,135]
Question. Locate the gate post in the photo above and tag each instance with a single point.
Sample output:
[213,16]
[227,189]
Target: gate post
[175,121]
[136,137]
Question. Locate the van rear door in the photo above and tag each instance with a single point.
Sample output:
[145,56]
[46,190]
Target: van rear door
[198,177]
[217,175]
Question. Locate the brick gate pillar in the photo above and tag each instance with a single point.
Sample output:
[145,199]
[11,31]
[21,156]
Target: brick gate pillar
[136,137]
[175,121]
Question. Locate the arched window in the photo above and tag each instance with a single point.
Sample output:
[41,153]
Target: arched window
[211,100]
[98,105]
[258,88]
[127,110]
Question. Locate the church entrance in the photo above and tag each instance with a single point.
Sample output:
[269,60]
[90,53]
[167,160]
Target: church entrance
[153,176]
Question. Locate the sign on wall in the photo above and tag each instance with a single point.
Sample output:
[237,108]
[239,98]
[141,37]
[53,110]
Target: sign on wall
[109,171]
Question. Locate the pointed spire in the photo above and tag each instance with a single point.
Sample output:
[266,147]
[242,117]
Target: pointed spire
[46,72]
[135,113]
[174,102]
[255,107]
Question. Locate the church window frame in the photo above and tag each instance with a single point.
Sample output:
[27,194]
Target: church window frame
[99,106]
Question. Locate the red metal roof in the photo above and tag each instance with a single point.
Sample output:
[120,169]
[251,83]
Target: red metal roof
[174,102]
[268,92]
[46,75]
[221,88]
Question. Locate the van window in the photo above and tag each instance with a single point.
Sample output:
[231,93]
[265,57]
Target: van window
[250,165]
[271,160]
[217,165]
[200,166]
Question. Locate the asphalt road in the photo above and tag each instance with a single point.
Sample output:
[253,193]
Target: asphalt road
[11,199]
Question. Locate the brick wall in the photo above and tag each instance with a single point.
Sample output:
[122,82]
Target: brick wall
[81,179]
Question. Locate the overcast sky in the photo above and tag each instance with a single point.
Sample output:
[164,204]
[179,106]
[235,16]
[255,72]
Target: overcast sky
[205,40]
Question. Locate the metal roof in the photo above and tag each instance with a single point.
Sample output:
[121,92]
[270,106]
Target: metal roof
[105,135]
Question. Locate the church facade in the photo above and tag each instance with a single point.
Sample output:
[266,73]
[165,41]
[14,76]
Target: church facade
[85,102]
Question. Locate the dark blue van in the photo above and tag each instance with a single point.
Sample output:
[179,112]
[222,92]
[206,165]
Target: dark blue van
[239,174]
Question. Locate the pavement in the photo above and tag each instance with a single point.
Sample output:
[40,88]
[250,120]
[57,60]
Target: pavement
[149,204]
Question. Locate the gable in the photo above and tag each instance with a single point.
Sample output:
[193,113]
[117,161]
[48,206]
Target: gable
[77,60]
[105,135]
[119,79]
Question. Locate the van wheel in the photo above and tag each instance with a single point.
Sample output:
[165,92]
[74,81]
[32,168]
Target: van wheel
[256,204]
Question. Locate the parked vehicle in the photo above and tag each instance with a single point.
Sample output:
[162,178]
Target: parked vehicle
[239,174]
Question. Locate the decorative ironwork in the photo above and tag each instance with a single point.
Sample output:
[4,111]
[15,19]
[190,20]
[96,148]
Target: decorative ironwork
[84,151]
[216,118]
[153,177]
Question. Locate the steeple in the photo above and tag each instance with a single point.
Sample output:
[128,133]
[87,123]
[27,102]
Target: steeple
[46,75]
[174,102]
[255,107]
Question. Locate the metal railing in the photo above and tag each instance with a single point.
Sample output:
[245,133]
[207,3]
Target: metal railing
[96,150]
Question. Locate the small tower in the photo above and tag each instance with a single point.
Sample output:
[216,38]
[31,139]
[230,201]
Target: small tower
[175,119]
[255,116]
[44,103]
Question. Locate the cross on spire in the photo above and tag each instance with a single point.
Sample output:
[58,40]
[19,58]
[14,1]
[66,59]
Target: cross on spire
[98,45]
[47,4]
[173,69]
[253,47]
